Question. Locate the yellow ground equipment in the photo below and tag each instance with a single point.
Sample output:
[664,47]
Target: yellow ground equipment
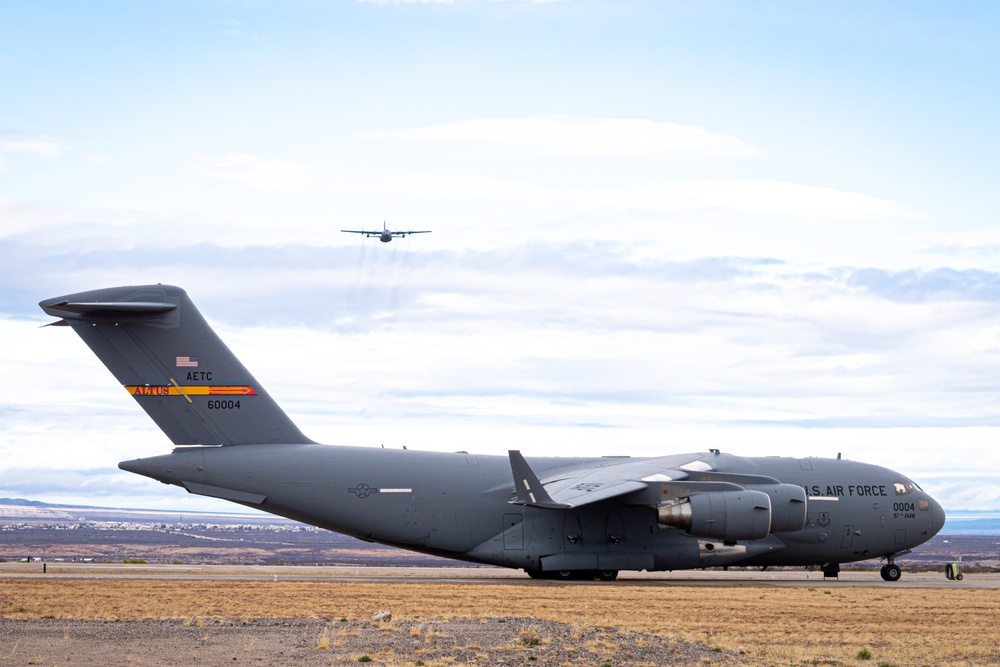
[953,571]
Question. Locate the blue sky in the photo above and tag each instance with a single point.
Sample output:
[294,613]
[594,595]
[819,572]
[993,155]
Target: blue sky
[767,227]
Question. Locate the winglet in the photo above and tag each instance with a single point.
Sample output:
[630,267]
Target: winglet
[529,490]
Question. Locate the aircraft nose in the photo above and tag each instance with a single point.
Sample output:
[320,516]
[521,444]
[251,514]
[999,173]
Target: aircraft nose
[936,517]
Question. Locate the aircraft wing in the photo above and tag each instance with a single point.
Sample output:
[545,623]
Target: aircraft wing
[358,231]
[423,231]
[607,479]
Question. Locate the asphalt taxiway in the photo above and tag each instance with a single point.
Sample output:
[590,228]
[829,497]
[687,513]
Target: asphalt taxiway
[481,575]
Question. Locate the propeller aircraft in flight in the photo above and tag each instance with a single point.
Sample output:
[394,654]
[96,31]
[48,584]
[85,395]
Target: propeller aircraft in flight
[385,235]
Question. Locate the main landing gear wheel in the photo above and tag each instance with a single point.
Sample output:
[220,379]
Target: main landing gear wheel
[607,575]
[891,572]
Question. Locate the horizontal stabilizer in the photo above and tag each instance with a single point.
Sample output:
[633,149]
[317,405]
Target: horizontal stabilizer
[109,307]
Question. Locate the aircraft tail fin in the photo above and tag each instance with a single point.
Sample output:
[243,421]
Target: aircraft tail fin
[155,342]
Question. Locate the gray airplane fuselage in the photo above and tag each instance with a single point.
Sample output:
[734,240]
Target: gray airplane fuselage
[563,517]
[459,505]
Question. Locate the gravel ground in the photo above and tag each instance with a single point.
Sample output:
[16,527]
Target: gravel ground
[280,642]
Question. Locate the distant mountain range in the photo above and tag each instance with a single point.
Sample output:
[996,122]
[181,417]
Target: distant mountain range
[960,522]
[21,502]
[20,509]
[967,522]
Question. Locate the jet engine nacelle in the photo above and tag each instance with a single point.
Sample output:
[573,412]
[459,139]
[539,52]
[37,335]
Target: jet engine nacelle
[788,506]
[720,515]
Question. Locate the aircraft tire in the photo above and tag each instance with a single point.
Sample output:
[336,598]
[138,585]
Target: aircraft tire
[891,572]
[563,575]
[607,575]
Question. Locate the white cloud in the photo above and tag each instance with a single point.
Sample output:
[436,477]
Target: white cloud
[39,146]
[575,136]
[256,172]
[973,247]
[606,356]
[756,196]
[19,216]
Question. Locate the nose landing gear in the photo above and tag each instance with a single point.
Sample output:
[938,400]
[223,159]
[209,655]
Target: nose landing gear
[891,572]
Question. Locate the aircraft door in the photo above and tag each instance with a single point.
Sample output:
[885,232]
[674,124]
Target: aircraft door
[848,538]
[513,531]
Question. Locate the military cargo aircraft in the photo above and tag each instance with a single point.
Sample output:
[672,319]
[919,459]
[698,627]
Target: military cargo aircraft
[560,518]
[385,235]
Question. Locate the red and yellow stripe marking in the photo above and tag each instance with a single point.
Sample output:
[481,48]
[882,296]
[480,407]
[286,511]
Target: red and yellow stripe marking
[189,390]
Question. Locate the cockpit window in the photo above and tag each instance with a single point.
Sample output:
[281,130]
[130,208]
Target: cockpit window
[904,488]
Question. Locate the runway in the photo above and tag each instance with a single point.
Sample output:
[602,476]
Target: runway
[491,575]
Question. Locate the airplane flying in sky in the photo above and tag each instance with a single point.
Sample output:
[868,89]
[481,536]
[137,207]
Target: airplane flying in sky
[385,235]
[560,518]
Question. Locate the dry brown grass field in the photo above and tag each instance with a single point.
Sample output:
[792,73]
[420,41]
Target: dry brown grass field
[751,625]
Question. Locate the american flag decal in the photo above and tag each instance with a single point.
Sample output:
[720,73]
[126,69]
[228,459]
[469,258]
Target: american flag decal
[187,362]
